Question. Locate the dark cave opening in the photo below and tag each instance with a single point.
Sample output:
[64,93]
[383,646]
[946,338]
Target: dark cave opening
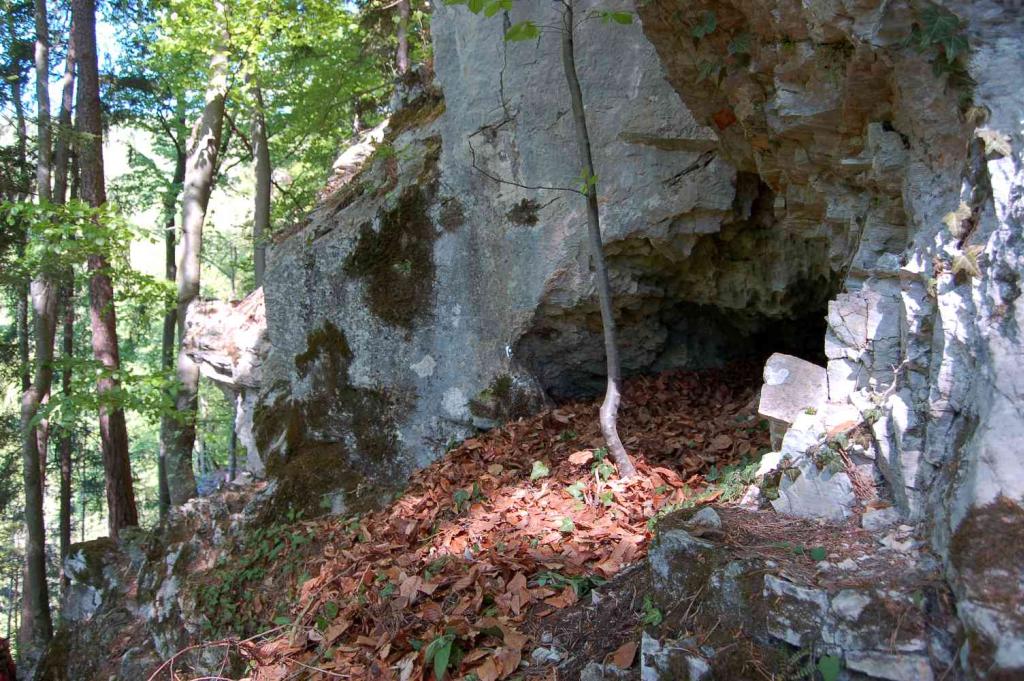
[694,301]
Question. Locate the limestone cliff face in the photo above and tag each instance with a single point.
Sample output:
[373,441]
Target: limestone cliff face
[799,152]
[919,177]
[448,286]
[798,179]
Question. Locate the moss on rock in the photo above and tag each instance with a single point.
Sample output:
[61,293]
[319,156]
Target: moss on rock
[397,260]
[342,438]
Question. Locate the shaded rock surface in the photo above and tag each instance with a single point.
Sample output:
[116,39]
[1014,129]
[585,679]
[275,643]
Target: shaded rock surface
[452,301]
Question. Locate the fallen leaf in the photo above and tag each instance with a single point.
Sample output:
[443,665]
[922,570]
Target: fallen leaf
[623,656]
[581,457]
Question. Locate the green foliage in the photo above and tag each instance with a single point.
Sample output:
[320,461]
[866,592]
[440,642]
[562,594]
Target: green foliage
[623,18]
[705,26]
[588,181]
[440,653]
[828,667]
[539,470]
[522,31]
[941,33]
[652,617]
[581,584]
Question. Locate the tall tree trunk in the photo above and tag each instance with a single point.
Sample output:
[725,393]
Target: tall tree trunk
[61,162]
[64,439]
[37,622]
[19,188]
[62,148]
[113,431]
[610,407]
[402,55]
[199,174]
[171,317]
[261,212]
[45,147]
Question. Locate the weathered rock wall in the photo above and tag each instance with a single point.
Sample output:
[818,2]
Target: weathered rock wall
[444,288]
[920,176]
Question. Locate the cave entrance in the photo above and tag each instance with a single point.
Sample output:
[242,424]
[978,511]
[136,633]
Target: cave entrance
[694,301]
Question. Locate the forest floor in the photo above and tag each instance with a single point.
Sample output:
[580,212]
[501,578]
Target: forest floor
[500,542]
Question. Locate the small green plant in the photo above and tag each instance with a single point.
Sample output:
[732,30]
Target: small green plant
[652,617]
[444,653]
[602,468]
[582,585]
[704,26]
[539,470]
[828,667]
[567,526]
[576,490]
[567,435]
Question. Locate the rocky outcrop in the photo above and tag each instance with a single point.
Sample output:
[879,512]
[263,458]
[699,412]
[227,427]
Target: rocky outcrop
[763,596]
[839,178]
[133,604]
[447,286]
[871,129]
[228,341]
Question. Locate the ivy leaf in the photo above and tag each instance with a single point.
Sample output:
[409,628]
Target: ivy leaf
[475,6]
[567,526]
[817,553]
[539,471]
[525,30]
[706,26]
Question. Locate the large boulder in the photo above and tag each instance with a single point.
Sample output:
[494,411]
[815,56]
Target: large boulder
[447,286]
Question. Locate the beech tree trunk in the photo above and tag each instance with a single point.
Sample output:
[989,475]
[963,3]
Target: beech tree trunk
[402,55]
[113,432]
[610,407]
[261,211]
[62,148]
[171,318]
[38,627]
[199,175]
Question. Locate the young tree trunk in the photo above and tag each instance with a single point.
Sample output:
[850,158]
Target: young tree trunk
[38,625]
[610,406]
[62,148]
[171,317]
[402,55]
[103,321]
[64,439]
[22,323]
[43,101]
[199,174]
[233,451]
[261,212]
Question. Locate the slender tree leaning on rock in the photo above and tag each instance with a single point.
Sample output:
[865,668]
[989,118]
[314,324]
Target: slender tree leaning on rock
[199,177]
[121,509]
[608,416]
[610,407]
